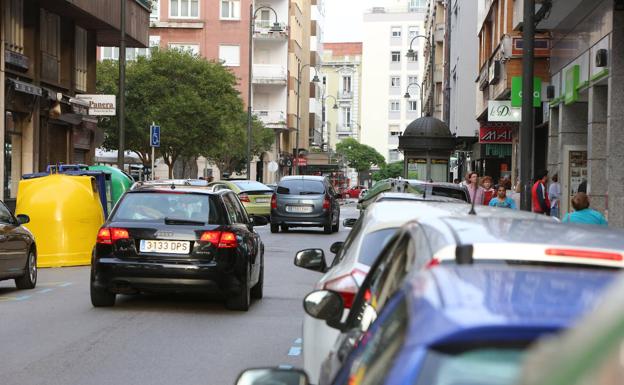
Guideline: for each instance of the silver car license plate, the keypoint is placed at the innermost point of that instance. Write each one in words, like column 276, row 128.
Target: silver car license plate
column 164, row 247
column 262, row 200
column 299, row 209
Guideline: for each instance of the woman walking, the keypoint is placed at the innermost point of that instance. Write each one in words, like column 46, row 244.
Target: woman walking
column 474, row 190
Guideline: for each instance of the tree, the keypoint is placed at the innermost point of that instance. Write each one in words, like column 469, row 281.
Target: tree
column 359, row 156
column 193, row 100
column 391, row 170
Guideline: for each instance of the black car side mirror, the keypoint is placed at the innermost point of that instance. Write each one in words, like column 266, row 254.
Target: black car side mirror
column 311, row 259
column 324, row 305
column 335, row 247
column 22, row 219
column 259, row 221
column 273, row 376
column 349, row 222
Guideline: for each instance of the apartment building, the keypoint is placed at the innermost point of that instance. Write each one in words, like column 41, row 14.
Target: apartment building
column 48, row 59
column 433, row 76
column 388, row 74
column 342, row 77
column 499, row 83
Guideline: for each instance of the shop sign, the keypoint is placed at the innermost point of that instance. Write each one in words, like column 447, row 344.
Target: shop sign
column 100, row 105
column 516, row 91
column 495, row 134
column 16, row 59
column 502, row 111
column 498, row 151
column 572, row 80
column 301, row 162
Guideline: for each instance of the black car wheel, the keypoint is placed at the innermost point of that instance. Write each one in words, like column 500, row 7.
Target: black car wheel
column 240, row 301
column 327, row 229
column 285, row 228
column 336, row 227
column 257, row 290
column 29, row 279
column 274, row 228
column 101, row 297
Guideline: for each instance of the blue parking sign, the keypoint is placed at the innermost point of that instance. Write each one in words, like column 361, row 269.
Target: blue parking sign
column 155, row 136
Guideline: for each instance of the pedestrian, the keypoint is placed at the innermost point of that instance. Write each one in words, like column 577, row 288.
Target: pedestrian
column 466, row 181
column 554, row 194
column 502, row 200
column 488, row 191
column 582, row 213
column 475, row 191
column 539, row 194
column 456, row 181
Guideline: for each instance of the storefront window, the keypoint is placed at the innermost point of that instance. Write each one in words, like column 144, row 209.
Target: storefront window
column 12, row 155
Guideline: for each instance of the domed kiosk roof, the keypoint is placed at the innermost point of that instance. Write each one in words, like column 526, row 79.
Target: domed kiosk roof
column 427, row 126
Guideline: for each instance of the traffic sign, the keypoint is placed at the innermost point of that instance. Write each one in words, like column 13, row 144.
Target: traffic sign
column 155, row 136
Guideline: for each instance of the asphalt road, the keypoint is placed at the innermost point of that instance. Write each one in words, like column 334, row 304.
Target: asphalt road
column 52, row 335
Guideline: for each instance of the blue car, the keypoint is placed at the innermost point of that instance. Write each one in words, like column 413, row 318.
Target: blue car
column 461, row 325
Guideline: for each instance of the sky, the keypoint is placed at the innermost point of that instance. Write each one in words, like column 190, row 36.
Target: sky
column 343, row 19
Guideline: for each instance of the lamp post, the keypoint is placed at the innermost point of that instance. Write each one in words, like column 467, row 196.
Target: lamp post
column 412, row 54
column 275, row 28
column 407, row 94
column 300, row 68
column 334, row 107
column 121, row 161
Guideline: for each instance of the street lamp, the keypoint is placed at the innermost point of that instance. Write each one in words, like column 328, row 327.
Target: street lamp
column 408, row 96
column 412, row 54
column 315, row 79
column 334, row 107
column 275, row 28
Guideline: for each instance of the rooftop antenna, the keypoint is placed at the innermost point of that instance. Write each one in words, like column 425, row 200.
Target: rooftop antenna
column 472, row 210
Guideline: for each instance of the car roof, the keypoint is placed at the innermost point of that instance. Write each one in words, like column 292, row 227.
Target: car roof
column 302, row 177
column 414, row 197
column 169, row 182
column 177, row 189
column 457, row 301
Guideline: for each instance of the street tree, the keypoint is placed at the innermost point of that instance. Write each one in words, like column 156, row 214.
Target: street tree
column 193, row 100
column 359, row 156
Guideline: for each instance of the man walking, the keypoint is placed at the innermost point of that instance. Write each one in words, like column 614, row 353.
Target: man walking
column 539, row 194
column 502, row 200
column 554, row 194
column 582, row 213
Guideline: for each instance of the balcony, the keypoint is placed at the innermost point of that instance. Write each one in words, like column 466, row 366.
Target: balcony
column 345, row 95
column 438, row 73
column 269, row 74
column 438, row 35
column 272, row 119
column 262, row 31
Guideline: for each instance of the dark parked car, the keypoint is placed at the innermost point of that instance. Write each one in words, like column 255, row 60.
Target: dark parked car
column 305, row 201
column 18, row 253
column 163, row 238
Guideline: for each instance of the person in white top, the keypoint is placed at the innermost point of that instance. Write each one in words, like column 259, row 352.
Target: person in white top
column 554, row 193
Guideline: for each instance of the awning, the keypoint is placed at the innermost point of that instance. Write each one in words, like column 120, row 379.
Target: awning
column 25, row 88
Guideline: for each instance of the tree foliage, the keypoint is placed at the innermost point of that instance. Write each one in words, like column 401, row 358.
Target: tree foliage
column 193, row 100
column 359, row 156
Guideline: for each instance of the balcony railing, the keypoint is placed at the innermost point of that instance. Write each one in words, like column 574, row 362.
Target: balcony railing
column 269, row 74
column 348, row 95
column 262, row 30
column 271, row 118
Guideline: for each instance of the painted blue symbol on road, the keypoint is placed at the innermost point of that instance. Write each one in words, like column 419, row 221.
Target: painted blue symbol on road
column 155, row 136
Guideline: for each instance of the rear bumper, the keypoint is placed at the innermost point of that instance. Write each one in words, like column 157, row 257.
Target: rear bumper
column 318, row 221
column 124, row 276
column 258, row 210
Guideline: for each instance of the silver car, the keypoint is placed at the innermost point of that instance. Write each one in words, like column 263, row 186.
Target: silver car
column 305, row 201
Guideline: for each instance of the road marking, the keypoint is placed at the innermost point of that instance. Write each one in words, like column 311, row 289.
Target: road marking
column 6, row 299
column 285, row 367
column 294, row 351
column 66, row 284
column 21, row 298
column 45, row 291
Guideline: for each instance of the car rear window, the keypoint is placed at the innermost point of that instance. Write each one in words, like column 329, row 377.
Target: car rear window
column 301, row 187
column 156, row 206
column 449, row 192
column 252, row 186
column 373, row 243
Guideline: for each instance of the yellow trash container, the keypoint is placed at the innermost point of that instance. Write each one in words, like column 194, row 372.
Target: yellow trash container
column 65, row 216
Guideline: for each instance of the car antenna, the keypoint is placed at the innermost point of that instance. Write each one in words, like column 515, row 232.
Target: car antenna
column 172, row 185
column 472, row 205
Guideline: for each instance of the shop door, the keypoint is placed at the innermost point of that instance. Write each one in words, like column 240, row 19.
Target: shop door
column 57, row 144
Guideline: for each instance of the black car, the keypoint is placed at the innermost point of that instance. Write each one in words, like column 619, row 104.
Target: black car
column 305, row 201
column 18, row 252
column 180, row 239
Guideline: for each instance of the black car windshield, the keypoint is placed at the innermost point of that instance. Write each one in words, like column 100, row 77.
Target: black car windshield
column 301, row 187
column 373, row 243
column 252, row 186
column 172, row 206
column 449, row 192
column 485, row 366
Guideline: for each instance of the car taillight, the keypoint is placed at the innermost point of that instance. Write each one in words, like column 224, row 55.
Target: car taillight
column 244, row 198
column 591, row 254
column 110, row 235
column 274, row 201
column 326, row 203
column 347, row 286
column 220, row 239
column 432, row 263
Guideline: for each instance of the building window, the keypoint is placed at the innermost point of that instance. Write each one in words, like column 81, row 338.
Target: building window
column 346, row 84
column 191, row 48
column 154, row 41
column 395, row 31
column 346, row 116
column 417, row 5
column 395, row 56
column 229, row 55
column 230, row 10
column 412, row 32
column 155, row 13
column 413, row 59
column 50, row 41
column 80, row 59
column 395, row 106
column 412, row 80
column 412, row 105
column 14, row 20
column 393, row 155
column 184, row 8
column 395, row 81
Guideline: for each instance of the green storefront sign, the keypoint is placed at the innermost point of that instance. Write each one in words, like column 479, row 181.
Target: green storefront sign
column 572, row 80
column 498, row 150
column 516, row 91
